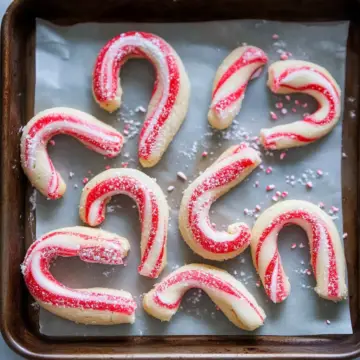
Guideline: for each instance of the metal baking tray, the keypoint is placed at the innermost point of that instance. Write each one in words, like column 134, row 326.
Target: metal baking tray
column 19, row 320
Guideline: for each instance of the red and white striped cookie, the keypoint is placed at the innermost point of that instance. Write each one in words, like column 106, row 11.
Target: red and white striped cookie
column 303, row 77
column 35, row 160
column 327, row 253
column 152, row 206
column 229, row 294
column 233, row 166
column 97, row 306
column 231, row 79
column 169, row 102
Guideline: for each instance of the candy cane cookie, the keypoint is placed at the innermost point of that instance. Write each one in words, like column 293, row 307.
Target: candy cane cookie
column 229, row 294
column 98, row 306
column 303, row 77
column 234, row 165
column 35, row 160
column 152, row 206
column 169, row 102
column 327, row 253
column 231, row 80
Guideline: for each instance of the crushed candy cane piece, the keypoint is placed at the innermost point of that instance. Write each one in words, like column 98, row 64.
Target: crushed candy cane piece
column 85, row 180
column 309, row 185
column 270, row 187
column 273, row 115
column 282, row 155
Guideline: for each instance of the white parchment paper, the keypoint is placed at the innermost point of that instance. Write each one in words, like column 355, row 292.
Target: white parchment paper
column 64, row 60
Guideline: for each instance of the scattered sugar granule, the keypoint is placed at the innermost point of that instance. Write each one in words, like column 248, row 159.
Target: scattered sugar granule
column 309, row 185
column 352, row 114
column 284, row 111
column 345, row 235
column 181, row 175
column 301, row 245
column 344, row 155
column 257, row 283
column 126, row 132
column 320, row 172
column 275, row 198
column 257, row 183
column 204, row 154
column 140, row 109
column 85, row 180
column 75, row 186
column 269, row 170
column 270, row 187
column 282, row 155
column 275, row 36
column 308, row 272
column 125, row 164
column 71, row 174
column 257, row 207
column 52, row 142
column 293, row 246
column 246, row 211
column 293, row 110
column 297, row 102
column 328, row 322
column 107, row 167
column 288, row 97
column 279, row 105
column 305, row 105
column 273, row 115
column 284, row 56
column 170, row 188
column 321, row 205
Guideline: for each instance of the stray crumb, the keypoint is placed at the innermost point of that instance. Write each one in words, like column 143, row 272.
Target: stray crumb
column 52, row 142
column 293, row 246
column 345, row 235
column 85, row 180
column 71, row 174
column 275, row 36
column 269, row 170
column 282, row 155
column 344, row 155
column 204, row 154
column 107, row 167
column 284, row 56
column 125, row 164
column 288, row 97
column 279, row 105
column 181, row 175
column 257, row 207
column 293, row 110
column 257, row 283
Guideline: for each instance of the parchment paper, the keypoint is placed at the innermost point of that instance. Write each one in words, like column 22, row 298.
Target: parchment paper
column 64, row 60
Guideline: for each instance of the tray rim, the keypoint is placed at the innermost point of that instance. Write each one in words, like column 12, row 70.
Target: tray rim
column 20, row 346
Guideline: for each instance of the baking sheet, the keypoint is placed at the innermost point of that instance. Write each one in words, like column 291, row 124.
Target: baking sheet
column 64, row 60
